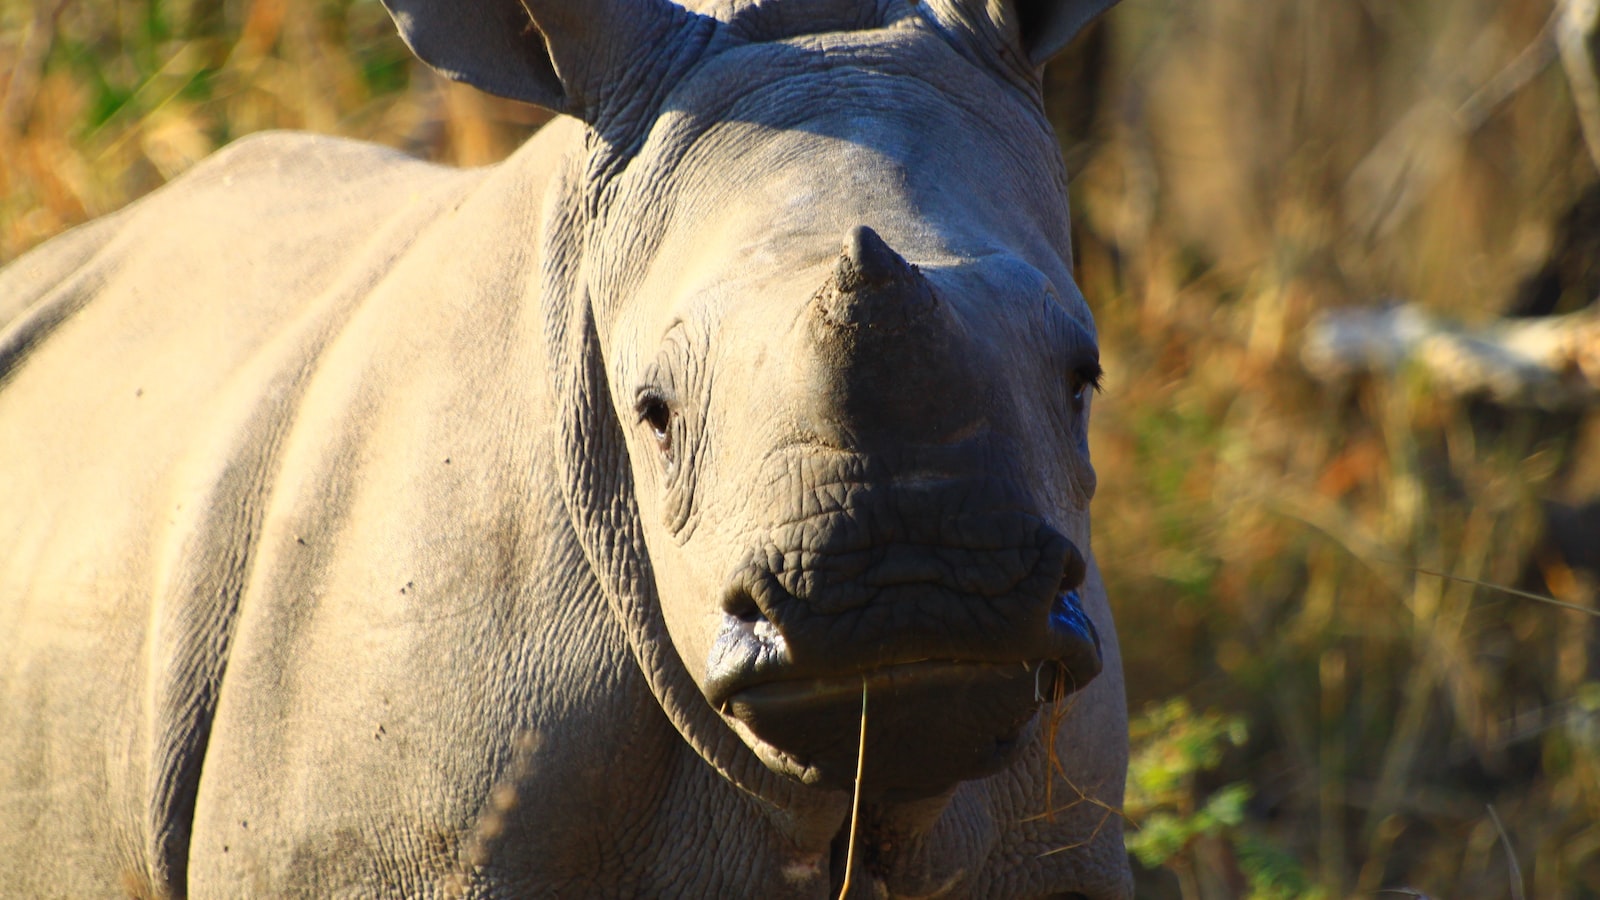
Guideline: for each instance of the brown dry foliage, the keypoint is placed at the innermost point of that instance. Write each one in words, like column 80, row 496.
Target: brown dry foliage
column 1267, row 540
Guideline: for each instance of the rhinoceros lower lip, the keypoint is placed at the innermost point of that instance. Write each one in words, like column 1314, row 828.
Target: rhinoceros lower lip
column 930, row 724
column 924, row 674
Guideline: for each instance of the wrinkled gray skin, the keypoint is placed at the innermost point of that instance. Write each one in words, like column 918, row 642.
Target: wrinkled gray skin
column 340, row 555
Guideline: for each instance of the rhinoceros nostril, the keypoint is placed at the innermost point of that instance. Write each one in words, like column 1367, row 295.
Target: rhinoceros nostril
column 1073, row 570
column 743, row 607
column 1067, row 615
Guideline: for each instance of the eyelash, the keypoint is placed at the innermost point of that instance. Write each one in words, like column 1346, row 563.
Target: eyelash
column 1088, row 378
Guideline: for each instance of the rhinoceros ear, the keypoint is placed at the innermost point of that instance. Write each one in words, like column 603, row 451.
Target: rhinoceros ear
column 1049, row 25
column 564, row 55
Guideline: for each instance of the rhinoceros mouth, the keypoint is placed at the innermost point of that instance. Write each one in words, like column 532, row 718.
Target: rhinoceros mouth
column 930, row 724
column 877, row 682
column 954, row 605
column 752, row 656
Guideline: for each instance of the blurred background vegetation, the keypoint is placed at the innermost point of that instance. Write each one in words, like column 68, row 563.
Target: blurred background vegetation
column 1338, row 688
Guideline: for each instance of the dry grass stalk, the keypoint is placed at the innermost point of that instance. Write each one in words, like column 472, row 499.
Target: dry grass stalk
column 1509, row 591
column 1062, row 702
column 855, row 802
column 1058, row 712
column 1511, row 854
column 1577, row 26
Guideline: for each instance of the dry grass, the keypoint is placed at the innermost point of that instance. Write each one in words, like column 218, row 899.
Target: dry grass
column 1269, row 542
column 103, row 100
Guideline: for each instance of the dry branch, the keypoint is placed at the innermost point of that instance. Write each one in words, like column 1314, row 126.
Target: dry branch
column 16, row 102
column 1577, row 26
column 1545, row 363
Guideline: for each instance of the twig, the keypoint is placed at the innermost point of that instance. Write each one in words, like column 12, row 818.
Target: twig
column 1058, row 711
column 1365, row 549
column 1578, row 19
column 855, row 803
column 137, row 124
column 1511, row 855
column 1390, row 180
column 1533, row 59
column 1098, row 827
column 17, row 103
column 1527, row 595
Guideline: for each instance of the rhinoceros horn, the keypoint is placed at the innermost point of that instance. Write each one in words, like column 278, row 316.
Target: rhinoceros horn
column 872, row 288
column 893, row 360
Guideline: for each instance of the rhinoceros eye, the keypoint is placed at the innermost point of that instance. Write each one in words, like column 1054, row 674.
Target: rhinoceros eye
column 1086, row 379
column 655, row 414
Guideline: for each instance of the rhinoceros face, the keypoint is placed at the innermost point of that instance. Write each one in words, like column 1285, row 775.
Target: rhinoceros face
column 854, row 375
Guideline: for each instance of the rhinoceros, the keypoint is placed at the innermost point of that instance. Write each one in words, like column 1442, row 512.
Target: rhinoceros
column 695, row 504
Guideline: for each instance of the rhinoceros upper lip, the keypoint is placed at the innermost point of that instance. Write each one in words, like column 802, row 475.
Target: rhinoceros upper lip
column 754, row 656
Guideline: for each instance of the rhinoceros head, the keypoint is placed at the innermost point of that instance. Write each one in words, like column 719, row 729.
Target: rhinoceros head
column 826, row 374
